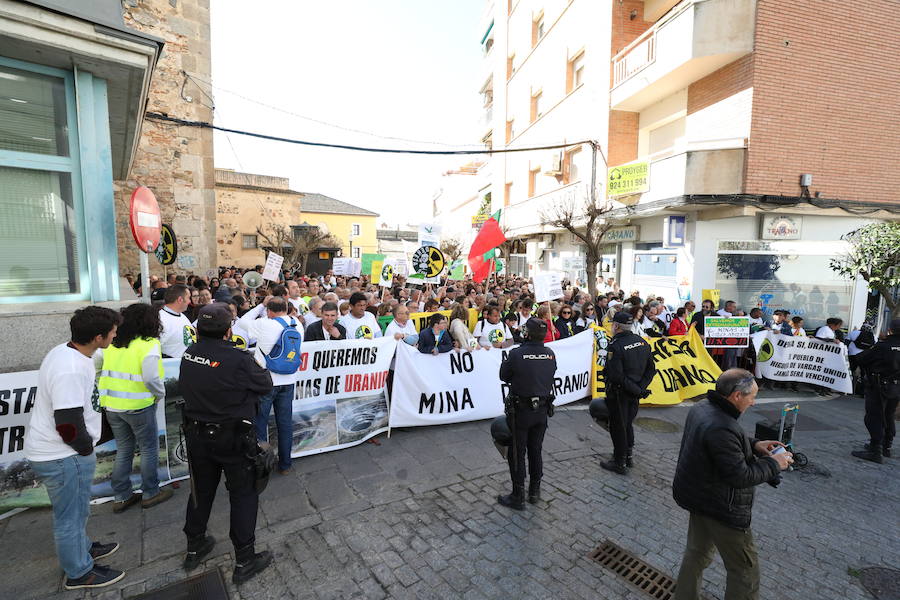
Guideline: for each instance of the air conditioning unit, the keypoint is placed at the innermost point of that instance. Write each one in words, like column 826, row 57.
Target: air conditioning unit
column 556, row 165
column 546, row 242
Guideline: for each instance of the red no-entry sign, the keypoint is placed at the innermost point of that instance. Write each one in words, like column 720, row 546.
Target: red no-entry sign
column 145, row 219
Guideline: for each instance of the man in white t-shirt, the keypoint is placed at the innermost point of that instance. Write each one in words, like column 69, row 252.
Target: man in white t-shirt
column 491, row 332
column 64, row 427
column 729, row 309
column 295, row 297
column 177, row 332
column 401, row 327
column 826, row 331
column 267, row 332
column 360, row 323
column 315, row 310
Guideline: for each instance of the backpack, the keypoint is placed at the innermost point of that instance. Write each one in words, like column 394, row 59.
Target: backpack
column 865, row 339
column 284, row 359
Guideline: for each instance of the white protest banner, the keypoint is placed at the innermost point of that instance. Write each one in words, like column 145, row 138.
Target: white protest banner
column 340, row 398
column 547, row 286
column 272, row 270
column 455, row 387
column 805, row 359
column 342, row 266
column 387, row 272
column 726, row 332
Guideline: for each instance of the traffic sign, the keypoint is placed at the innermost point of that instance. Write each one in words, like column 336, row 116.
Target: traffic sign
column 144, row 218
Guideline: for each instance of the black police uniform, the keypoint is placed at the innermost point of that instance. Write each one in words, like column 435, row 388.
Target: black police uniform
column 628, row 372
column 221, row 386
column 881, row 364
column 529, row 370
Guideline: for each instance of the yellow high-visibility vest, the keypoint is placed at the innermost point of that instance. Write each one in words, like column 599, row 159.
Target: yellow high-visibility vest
column 121, row 383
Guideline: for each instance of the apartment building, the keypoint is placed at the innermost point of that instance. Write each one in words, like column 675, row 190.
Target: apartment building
column 545, row 83
column 765, row 128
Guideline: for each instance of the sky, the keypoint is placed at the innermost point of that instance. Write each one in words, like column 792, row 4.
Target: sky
column 401, row 68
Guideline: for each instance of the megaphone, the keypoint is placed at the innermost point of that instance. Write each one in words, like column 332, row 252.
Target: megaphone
column 252, row 279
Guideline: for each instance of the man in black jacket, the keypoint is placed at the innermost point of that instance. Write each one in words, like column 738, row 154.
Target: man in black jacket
column 629, row 370
column 221, row 386
column 881, row 365
column 326, row 328
column 718, row 466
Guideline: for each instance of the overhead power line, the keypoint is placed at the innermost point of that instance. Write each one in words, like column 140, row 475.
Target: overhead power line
column 205, row 125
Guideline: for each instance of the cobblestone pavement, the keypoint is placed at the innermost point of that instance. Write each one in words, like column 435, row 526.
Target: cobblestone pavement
column 415, row 517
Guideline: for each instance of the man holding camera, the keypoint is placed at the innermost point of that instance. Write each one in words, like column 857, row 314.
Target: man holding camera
column 221, row 386
column 718, row 467
column 628, row 372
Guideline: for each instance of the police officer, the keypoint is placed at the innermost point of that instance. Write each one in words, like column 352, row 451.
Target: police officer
column 221, row 386
column 628, row 371
column 529, row 371
column 881, row 364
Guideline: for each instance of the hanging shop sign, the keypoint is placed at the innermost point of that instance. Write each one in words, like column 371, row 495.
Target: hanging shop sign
column 633, row 178
column 781, row 227
column 621, row 234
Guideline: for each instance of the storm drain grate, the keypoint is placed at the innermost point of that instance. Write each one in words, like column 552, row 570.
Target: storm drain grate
column 208, row 585
column 635, row 571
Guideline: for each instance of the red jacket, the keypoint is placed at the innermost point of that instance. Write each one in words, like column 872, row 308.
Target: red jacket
column 552, row 332
column 678, row 327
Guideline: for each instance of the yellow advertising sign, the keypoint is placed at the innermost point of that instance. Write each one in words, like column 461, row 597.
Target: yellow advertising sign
column 684, row 369
column 627, row 179
column 714, row 295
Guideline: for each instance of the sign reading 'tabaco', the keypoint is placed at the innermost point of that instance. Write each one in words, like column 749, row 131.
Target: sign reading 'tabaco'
column 633, row 178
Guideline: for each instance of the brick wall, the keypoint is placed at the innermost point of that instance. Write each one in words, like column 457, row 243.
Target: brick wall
column 623, row 136
column 175, row 162
column 825, row 102
column 722, row 84
column 625, row 29
column 719, row 106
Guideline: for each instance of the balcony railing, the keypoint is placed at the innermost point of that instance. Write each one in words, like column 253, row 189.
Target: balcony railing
column 635, row 58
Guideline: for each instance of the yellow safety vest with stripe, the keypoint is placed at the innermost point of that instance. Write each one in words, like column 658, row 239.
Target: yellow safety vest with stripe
column 121, row 383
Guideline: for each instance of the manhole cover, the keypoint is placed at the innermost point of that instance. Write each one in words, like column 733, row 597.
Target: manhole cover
column 636, row 572
column 883, row 583
column 205, row 586
column 656, row 425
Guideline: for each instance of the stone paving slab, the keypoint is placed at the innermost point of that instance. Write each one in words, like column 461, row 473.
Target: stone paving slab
column 415, row 517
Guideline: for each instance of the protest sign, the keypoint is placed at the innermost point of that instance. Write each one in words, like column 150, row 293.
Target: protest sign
column 342, row 266
column 547, row 286
column 726, row 332
column 429, row 234
column 386, row 276
column 684, row 369
column 455, row 387
column 713, row 295
column 457, row 270
column 804, row 359
column 272, row 270
column 371, row 265
column 428, row 261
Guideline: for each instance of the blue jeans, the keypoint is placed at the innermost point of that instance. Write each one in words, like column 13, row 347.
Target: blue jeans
column 68, row 482
column 129, row 427
column 282, row 397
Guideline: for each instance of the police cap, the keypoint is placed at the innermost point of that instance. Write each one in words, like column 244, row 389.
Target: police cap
column 536, row 328
column 623, row 318
column 214, row 318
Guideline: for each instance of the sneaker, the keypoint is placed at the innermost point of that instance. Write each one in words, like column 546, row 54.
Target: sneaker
column 126, row 504
column 99, row 550
column 163, row 495
column 97, row 577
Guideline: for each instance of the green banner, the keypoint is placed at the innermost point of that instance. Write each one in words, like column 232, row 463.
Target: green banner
column 367, row 264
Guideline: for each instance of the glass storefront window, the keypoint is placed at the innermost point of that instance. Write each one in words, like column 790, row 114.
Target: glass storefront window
column 791, row 275
column 38, row 252
column 32, row 113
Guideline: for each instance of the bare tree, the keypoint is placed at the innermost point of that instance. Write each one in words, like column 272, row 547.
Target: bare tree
column 296, row 244
column 586, row 220
column 452, row 248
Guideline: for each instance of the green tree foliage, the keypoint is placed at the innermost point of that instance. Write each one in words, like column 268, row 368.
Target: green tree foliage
column 874, row 255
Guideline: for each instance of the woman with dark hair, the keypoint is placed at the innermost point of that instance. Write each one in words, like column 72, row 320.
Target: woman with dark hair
column 130, row 384
column 435, row 339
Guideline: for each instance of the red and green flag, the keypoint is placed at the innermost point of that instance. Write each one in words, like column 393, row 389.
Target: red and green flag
column 481, row 255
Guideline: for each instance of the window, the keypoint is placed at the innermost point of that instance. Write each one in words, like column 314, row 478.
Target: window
column 357, row 252
column 532, row 181
column 41, row 249
column 355, row 229
column 507, row 193
column 536, row 106
column 509, row 66
column 510, row 132
column 575, row 72
column 570, row 166
column 537, row 29
column 249, row 241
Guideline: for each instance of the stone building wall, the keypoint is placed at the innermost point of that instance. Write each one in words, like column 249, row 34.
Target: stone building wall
column 175, row 162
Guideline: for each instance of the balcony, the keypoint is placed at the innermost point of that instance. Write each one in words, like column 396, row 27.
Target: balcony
column 711, row 167
column 524, row 217
column 694, row 39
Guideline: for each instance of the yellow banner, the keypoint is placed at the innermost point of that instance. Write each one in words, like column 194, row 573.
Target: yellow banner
column 633, row 178
column 420, row 319
column 714, row 295
column 684, row 369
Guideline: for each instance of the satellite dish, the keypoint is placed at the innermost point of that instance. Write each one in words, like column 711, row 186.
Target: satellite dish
column 252, row 279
